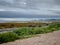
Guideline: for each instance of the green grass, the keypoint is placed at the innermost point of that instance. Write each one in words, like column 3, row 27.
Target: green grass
column 8, row 37
column 27, row 32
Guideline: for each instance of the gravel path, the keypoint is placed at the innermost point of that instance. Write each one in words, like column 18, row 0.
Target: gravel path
column 43, row 39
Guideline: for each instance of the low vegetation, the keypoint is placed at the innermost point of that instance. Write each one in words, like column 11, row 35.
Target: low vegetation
column 8, row 36
column 27, row 32
column 28, row 24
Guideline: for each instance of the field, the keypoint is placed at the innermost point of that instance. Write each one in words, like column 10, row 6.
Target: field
column 12, row 25
column 27, row 32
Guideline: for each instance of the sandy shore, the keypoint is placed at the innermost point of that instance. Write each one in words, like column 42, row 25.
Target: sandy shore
column 41, row 39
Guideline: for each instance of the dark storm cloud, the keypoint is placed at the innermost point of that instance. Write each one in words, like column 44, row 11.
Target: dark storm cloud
column 8, row 14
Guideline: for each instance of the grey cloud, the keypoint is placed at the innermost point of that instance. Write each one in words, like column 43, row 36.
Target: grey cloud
column 14, row 4
column 57, row 2
column 33, row 4
column 40, row 6
column 8, row 14
column 4, row 3
column 57, row 12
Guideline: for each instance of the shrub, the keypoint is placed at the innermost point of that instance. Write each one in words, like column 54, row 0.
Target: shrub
column 27, row 32
column 7, row 37
column 23, row 31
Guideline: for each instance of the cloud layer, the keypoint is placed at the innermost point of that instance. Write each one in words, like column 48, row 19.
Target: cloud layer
column 29, row 8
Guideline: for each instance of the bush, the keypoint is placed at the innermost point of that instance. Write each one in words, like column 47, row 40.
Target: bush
column 37, row 30
column 23, row 31
column 31, row 31
column 7, row 37
column 27, row 32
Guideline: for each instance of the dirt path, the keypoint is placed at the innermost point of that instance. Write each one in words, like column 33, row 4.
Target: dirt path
column 44, row 39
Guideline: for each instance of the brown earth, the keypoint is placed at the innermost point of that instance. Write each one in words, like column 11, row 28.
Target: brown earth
column 41, row 39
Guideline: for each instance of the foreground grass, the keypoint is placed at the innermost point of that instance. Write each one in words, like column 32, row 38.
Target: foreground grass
column 8, row 37
column 27, row 32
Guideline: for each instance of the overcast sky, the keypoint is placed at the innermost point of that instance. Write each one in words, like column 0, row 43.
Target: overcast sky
column 29, row 8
